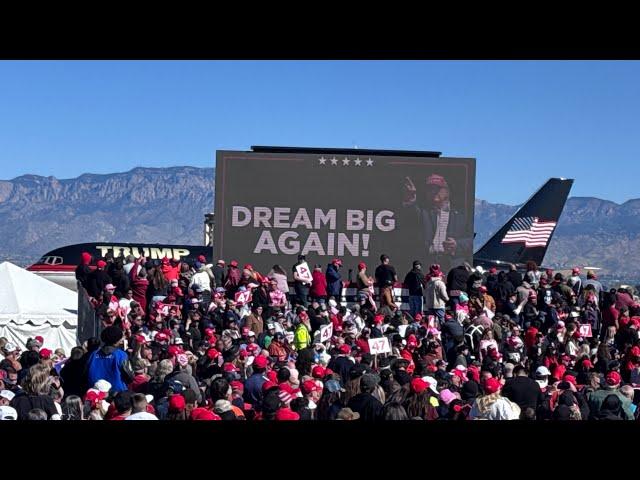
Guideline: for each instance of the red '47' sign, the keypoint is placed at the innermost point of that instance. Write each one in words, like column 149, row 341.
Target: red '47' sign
column 585, row 330
column 243, row 297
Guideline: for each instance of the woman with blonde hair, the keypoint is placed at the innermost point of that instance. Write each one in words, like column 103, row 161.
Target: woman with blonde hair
column 36, row 387
column 492, row 405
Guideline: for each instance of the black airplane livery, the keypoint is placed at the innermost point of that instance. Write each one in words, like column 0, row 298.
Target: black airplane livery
column 526, row 236
column 59, row 265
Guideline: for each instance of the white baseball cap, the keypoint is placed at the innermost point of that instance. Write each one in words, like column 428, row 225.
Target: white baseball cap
column 8, row 394
column 542, row 370
column 102, row 386
column 8, row 413
column 10, row 347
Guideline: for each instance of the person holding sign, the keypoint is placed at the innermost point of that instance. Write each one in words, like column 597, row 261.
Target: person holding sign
column 302, row 280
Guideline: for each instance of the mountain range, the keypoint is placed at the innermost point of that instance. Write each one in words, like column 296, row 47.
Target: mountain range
column 157, row 205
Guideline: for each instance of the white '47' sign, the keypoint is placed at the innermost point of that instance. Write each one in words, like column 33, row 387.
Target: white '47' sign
column 379, row 345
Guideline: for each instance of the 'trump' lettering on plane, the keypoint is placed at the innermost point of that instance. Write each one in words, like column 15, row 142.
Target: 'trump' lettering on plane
column 153, row 253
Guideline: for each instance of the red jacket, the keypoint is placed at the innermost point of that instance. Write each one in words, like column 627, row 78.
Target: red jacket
column 318, row 285
column 363, row 344
column 170, row 272
column 139, row 287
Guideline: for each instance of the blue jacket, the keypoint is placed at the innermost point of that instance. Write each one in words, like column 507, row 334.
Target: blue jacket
column 110, row 364
column 334, row 282
column 253, row 390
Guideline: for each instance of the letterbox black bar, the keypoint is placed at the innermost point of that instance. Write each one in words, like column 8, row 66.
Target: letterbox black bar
column 345, row 151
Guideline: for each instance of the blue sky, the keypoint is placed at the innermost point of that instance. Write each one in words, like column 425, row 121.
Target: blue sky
column 523, row 121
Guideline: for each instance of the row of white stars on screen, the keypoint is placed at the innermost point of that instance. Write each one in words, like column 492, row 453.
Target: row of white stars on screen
column 345, row 161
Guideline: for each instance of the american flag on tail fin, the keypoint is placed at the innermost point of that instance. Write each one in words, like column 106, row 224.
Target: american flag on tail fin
column 530, row 231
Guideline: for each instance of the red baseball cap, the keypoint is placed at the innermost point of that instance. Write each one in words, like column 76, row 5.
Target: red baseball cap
column 378, row 319
column 237, row 385
column 212, row 353
column 268, row 385
column 160, row 337
column 309, row 386
column 492, row 385
column 286, row 414
column 344, row 348
column 45, row 353
column 260, row 361
column 202, row 259
column 176, row 403
column 586, row 363
column 571, row 379
column 230, row 367
column 201, row 413
column 613, row 378
column 173, row 350
column 40, row 339
column 248, row 266
column 362, row 265
column 418, row 385
column 318, row 372
column 101, row 264
column 233, row 263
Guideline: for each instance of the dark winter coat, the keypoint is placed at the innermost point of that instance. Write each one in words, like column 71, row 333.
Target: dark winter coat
column 334, row 281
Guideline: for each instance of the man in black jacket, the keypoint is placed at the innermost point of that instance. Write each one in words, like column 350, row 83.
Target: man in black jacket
column 368, row 406
column 457, row 282
column 514, row 276
column 218, row 273
column 98, row 279
column 415, row 283
column 523, row 390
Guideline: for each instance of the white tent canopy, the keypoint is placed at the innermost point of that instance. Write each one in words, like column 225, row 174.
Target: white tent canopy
column 31, row 305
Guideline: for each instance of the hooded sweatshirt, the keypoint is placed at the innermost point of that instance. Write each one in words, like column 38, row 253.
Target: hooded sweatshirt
column 201, row 279
column 436, row 294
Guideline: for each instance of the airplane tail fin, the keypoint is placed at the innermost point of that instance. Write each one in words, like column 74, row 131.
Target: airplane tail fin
column 528, row 232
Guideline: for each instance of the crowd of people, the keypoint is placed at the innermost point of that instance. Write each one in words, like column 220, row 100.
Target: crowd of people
column 198, row 341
